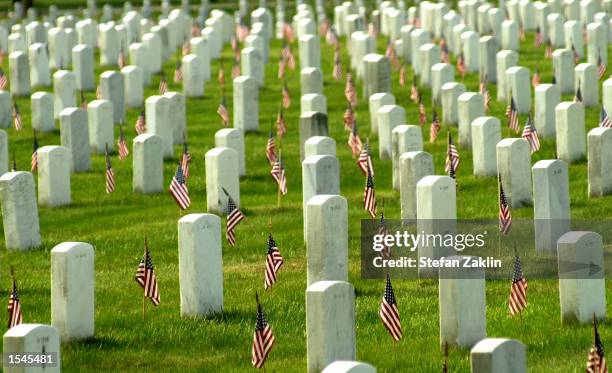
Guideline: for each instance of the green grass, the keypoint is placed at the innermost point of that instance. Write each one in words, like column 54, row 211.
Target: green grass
column 116, row 224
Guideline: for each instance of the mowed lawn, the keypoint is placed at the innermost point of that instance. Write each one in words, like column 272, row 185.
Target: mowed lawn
column 116, row 225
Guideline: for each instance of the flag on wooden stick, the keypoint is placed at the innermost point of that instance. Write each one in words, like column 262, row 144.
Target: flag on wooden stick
column 263, row 338
column 3, row 80
column 604, row 119
column 146, row 278
column 369, row 197
column 452, row 158
column 389, row 313
column 178, row 188
column 141, row 123
column 34, row 162
column 596, row 362
column 222, row 111
column 281, row 126
column 278, row 174
column 434, row 130
column 122, row 145
column 110, row 173
column 234, row 217
column 185, row 159
column 518, row 289
column 505, row 214
column 14, row 305
column 365, row 160
column 17, row 117
column 531, row 135
column 354, row 142
column 274, row 260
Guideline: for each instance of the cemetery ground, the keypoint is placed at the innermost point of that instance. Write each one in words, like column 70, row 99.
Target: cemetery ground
column 117, row 223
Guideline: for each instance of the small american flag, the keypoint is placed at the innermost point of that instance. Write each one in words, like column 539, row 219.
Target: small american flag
column 178, row 188
column 223, row 113
column 278, row 174
column 186, row 48
column 163, row 85
column 34, row 163
column 391, row 55
column 110, row 174
column 484, row 91
column 286, row 96
column 518, row 289
column 434, row 130
column 535, row 81
column 369, row 197
column 141, row 123
column 382, row 231
column 576, row 56
column 282, row 67
column 337, row 71
column 235, row 69
column 14, row 307
column 604, row 119
column 349, row 117
column 444, row 55
column 522, row 35
column 372, row 30
column 178, row 72
column 3, row 80
column 531, row 135
column 122, row 145
column 121, row 59
column 578, row 96
column 513, row 117
column 549, row 50
column 331, row 37
column 221, row 76
column 402, row 76
column 263, row 339
column 538, row 38
column 17, row 118
column 242, row 31
column 422, row 113
column 185, row 160
column 596, row 362
column 365, row 160
column 288, row 55
column 324, row 28
column 281, row 126
column 274, row 260
column 389, row 313
column 99, row 95
column 195, row 30
column 461, row 68
column 145, row 277
column 354, row 142
column 271, row 148
column 349, row 90
column 414, row 92
column 505, row 215
column 288, row 32
column 452, row 158
column 234, row 216
column 601, row 68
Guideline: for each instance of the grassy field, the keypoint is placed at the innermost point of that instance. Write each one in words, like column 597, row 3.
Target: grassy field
column 116, row 224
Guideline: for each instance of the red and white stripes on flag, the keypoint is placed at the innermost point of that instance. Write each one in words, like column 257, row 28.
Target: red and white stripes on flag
column 263, row 340
column 286, row 96
column 486, row 95
column 34, row 161
column 278, row 174
column 601, row 68
column 382, row 231
column 121, row 59
column 122, row 145
column 365, row 160
column 389, row 313
column 235, row 69
column 461, row 68
column 531, row 135
column 14, row 308
column 145, row 277
column 549, row 50
column 223, row 113
column 282, row 67
column 274, row 260
column 234, row 216
column 178, row 72
column 434, row 130
column 536, row 79
column 354, row 142
column 513, row 117
column 3, row 80
column 349, row 90
column 604, row 119
column 288, row 56
column 539, row 38
column 415, row 96
column 596, row 362
column 271, row 148
column 337, row 70
column 178, row 188
column 422, row 113
column 281, row 126
column 17, row 118
column 349, row 117
column 452, row 158
column 110, row 174
column 518, row 289
column 402, row 76
column 369, row 197
column 163, row 85
column 185, row 160
column 221, row 76
column 505, row 214
column 141, row 123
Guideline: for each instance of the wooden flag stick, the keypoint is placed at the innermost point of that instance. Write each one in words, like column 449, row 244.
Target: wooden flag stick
column 278, row 195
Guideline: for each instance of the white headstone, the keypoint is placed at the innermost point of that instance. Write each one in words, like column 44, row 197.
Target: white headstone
column 232, row 138
column 498, row 355
column 470, row 105
column 389, row 117
column 157, row 112
column 413, row 166
column 133, row 85
column 101, row 128
column 54, row 167
column 600, row 161
column 193, row 78
column 148, row 164
column 64, row 91
column 404, row 138
column 42, row 111
column 320, row 145
column 73, row 290
column 378, row 100
column 450, row 95
column 200, row 265
column 486, row 133
column 221, row 173
column 570, row 131
column 83, row 67
column 514, row 168
column 19, row 74
column 28, row 338
column 112, row 89
column 74, row 133
column 547, row 97
column 19, row 210
column 246, row 103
